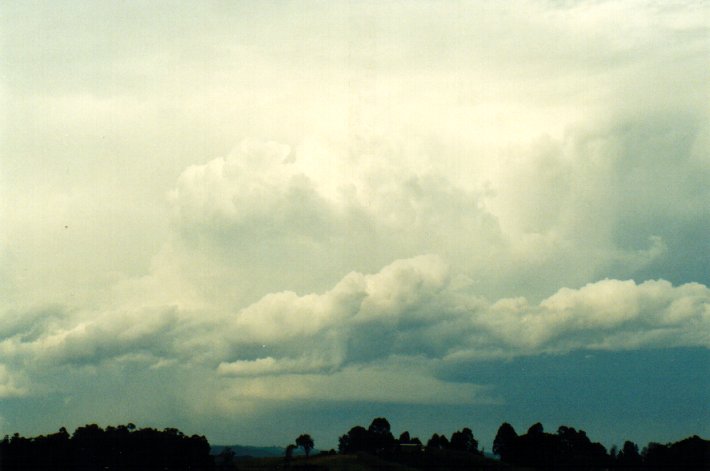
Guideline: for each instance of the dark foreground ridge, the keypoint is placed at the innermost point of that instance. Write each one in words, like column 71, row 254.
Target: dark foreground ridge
column 125, row 447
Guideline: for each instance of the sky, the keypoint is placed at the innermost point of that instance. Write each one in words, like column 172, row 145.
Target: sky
column 252, row 220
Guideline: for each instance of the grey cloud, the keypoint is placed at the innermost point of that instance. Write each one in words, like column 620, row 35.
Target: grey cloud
column 83, row 339
column 443, row 323
column 379, row 384
column 410, row 311
column 608, row 314
column 661, row 187
column 9, row 386
column 526, row 147
column 270, row 366
column 28, row 325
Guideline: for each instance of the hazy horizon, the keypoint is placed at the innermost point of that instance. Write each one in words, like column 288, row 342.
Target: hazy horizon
column 251, row 220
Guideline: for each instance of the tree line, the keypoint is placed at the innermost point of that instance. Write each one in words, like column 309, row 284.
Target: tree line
column 565, row 449
column 91, row 448
column 572, row 449
column 125, row 447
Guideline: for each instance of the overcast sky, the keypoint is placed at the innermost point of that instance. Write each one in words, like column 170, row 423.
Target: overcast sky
column 251, row 220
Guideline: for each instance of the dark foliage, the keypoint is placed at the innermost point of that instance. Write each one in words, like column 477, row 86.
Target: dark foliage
column 463, row 441
column 461, row 452
column 357, row 439
column 437, row 442
column 571, row 449
column 628, row 457
column 306, row 442
column 505, row 441
column 91, row 448
column 120, row 448
column 567, row 449
column 376, row 439
column 690, row 453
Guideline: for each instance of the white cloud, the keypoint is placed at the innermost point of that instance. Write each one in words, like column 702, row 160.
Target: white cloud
column 408, row 309
column 608, row 314
column 81, row 338
column 254, row 180
column 270, row 366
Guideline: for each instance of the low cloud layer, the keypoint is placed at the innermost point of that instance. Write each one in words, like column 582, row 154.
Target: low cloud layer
column 412, row 312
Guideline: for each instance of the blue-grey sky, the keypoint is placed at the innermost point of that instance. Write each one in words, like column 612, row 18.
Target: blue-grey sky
column 252, row 220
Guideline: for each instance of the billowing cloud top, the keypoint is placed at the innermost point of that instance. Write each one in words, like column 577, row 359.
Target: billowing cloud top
column 249, row 206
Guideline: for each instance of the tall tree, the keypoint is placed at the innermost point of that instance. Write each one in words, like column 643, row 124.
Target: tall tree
column 629, row 456
column 379, row 426
column 380, row 436
column 504, row 443
column 357, row 439
column 463, row 440
column 404, row 437
column 437, row 442
column 306, row 442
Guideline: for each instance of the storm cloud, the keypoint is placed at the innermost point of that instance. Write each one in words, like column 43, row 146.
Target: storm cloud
column 220, row 211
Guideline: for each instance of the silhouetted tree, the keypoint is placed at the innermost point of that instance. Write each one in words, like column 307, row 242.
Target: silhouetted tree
column 380, row 436
column 463, row 440
column 306, row 442
column 613, row 452
column 629, row 457
column 92, row 448
column 536, row 429
column 433, row 442
column 690, row 453
column 379, row 426
column 288, row 453
column 574, row 449
column 437, row 442
column 656, row 455
column 505, row 442
column 377, row 438
column 538, row 448
column 357, row 439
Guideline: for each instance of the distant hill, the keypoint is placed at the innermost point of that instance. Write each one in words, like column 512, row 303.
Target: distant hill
column 443, row 460
column 242, row 451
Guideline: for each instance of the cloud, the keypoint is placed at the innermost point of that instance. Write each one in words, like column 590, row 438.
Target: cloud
column 411, row 308
column 8, row 385
column 270, row 219
column 409, row 186
column 443, row 321
column 81, row 338
column 270, row 366
column 382, row 384
column 554, row 211
column 515, row 136
column 255, row 180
